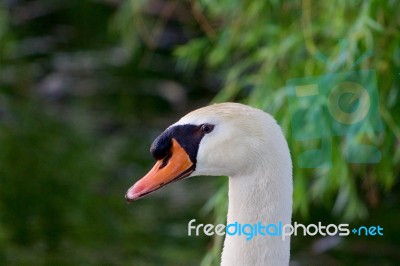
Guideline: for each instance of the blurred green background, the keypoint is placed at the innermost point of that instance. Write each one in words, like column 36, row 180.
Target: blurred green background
column 85, row 86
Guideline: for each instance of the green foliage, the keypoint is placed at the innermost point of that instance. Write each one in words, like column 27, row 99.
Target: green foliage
column 255, row 47
column 85, row 86
column 4, row 24
column 39, row 176
column 77, row 117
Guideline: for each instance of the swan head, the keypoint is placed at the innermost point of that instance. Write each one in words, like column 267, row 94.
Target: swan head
column 228, row 139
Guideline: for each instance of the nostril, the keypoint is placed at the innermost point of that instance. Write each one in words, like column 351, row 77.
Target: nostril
column 165, row 161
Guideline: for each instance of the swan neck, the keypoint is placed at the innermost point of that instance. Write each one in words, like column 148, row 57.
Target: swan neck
column 264, row 196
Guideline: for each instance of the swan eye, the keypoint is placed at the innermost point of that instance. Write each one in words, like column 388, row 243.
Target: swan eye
column 207, row 128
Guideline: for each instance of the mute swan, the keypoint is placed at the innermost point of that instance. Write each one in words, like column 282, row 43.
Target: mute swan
column 245, row 144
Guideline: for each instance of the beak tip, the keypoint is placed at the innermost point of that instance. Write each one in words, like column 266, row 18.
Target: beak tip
column 128, row 199
column 131, row 196
column 177, row 167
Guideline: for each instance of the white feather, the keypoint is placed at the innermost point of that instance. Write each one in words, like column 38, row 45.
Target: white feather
column 248, row 146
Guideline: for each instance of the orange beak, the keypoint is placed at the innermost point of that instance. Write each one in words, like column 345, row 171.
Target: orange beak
column 177, row 165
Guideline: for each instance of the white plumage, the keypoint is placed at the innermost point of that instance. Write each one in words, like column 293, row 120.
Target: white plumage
column 245, row 144
column 248, row 146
